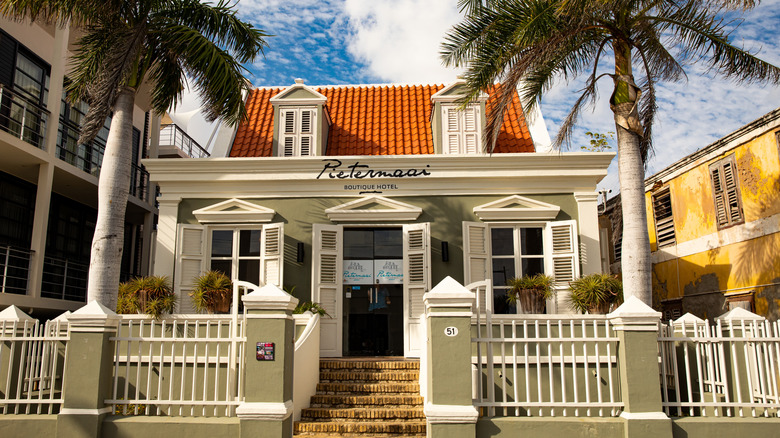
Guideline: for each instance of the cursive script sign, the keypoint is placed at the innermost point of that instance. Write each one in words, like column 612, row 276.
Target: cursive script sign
column 335, row 169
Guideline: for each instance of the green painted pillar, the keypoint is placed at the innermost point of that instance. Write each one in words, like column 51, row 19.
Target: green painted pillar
column 449, row 409
column 268, row 382
column 13, row 324
column 88, row 370
column 636, row 326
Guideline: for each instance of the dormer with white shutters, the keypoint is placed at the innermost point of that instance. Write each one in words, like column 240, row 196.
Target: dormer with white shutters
column 301, row 121
column 457, row 130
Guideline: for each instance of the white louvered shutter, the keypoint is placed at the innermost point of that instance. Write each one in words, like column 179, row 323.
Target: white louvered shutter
column 563, row 261
column 272, row 254
column 471, row 129
column 308, row 122
column 476, row 252
column 417, row 281
column 327, row 280
column 289, row 135
column 476, row 261
column 451, row 134
column 190, row 263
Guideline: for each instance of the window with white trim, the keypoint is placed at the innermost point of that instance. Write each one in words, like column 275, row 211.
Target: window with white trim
column 516, row 251
column 296, row 133
column 499, row 252
column 725, row 191
column 236, row 253
column 461, row 129
column 248, row 252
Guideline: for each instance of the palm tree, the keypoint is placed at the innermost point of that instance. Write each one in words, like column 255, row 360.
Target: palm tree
column 528, row 44
column 160, row 44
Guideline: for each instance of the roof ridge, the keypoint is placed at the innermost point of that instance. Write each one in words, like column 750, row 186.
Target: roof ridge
column 268, row 87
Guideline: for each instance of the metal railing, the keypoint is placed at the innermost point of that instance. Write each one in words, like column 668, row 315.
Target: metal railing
column 172, row 135
column 542, row 365
column 64, row 279
column 14, row 269
column 22, row 118
column 179, row 366
column 34, row 357
column 87, row 157
column 726, row 369
column 139, row 182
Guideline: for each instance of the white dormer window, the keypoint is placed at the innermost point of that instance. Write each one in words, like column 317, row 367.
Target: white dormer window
column 461, row 130
column 297, row 134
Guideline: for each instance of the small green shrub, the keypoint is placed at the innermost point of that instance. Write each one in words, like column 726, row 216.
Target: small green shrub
column 595, row 293
column 308, row 306
column 151, row 295
column 531, row 291
column 213, row 292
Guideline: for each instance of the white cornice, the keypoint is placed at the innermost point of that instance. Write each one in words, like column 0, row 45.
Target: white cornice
column 525, row 173
column 443, row 97
column 280, row 98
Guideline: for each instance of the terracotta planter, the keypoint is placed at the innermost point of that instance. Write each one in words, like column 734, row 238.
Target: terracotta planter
column 599, row 309
column 220, row 304
column 531, row 301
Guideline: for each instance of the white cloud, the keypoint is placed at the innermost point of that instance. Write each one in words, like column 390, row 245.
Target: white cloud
column 399, row 39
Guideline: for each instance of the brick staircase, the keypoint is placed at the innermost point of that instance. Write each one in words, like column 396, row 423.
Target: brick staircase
column 365, row 398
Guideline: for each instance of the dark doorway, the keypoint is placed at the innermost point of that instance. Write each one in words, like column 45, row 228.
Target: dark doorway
column 373, row 292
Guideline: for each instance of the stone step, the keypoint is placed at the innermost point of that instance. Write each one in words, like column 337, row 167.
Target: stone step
column 343, row 400
column 361, row 413
column 407, row 388
column 334, row 365
column 369, row 376
column 370, row 428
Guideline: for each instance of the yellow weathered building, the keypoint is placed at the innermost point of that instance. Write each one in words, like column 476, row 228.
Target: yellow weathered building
column 714, row 225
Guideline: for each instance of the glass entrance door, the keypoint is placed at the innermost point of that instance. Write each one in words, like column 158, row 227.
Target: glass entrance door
column 373, row 292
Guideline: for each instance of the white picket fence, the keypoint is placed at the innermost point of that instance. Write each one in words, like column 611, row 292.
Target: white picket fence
column 542, row 365
column 729, row 368
column 32, row 359
column 185, row 365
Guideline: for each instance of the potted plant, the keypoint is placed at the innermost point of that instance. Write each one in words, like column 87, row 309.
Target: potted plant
column 596, row 293
column 531, row 291
column 213, row 292
column 308, row 306
column 151, row 295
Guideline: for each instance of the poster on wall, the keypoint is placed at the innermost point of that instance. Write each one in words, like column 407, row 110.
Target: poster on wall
column 358, row 272
column 389, row 271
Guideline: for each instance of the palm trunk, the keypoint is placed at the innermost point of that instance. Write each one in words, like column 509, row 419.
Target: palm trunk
column 113, row 189
column 635, row 260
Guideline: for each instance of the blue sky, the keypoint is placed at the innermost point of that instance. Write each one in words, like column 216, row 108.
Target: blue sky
column 330, row 42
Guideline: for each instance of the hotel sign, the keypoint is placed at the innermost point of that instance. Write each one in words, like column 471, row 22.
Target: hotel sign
column 336, row 169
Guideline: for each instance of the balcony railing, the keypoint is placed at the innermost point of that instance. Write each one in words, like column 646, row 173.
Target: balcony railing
column 14, row 269
column 22, row 118
column 64, row 279
column 139, row 182
column 87, row 157
column 172, row 136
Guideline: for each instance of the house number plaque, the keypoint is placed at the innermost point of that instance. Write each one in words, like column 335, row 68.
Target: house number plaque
column 451, row 331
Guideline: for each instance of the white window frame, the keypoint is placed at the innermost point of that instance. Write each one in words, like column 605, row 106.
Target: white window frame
column 235, row 256
column 292, row 137
column 458, row 135
column 517, row 257
column 475, row 258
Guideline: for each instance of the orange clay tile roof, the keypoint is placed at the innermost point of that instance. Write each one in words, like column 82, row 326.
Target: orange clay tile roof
column 371, row 120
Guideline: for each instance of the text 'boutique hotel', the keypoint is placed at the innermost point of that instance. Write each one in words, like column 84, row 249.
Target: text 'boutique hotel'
column 361, row 198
